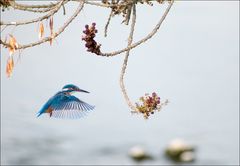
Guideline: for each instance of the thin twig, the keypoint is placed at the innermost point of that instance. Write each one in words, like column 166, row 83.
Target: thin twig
column 35, row 10
column 124, row 66
column 150, row 35
column 55, row 35
column 127, row 17
column 107, row 24
column 2, row 29
column 64, row 10
column 33, row 6
column 52, row 12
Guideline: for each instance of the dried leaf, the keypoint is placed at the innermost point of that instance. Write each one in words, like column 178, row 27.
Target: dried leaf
column 10, row 65
column 13, row 45
column 51, row 24
column 41, row 30
column 11, row 50
column 12, row 42
column 51, row 29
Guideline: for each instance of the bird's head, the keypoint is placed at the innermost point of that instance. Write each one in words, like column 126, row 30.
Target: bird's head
column 72, row 88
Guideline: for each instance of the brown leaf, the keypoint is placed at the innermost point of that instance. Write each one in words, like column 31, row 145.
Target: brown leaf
column 41, row 30
column 13, row 45
column 51, row 29
column 11, row 50
column 10, row 66
column 51, row 24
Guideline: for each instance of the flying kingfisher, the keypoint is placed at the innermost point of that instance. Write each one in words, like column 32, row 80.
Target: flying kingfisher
column 64, row 105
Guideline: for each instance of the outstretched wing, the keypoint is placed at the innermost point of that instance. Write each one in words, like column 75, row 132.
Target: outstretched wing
column 47, row 105
column 67, row 106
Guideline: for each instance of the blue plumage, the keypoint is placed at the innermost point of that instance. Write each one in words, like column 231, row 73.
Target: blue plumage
column 65, row 105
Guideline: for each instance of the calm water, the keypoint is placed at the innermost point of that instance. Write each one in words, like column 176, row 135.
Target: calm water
column 193, row 62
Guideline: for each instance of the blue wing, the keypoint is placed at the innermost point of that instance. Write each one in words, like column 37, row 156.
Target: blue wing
column 67, row 106
column 48, row 103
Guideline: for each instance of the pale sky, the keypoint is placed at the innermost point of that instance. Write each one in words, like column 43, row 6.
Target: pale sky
column 193, row 61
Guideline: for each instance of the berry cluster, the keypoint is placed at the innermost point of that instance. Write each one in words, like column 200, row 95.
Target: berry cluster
column 91, row 44
column 149, row 104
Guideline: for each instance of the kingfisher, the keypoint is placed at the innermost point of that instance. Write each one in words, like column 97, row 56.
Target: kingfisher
column 64, row 105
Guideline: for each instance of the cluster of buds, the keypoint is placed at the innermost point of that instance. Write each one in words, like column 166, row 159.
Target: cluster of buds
column 149, row 105
column 91, row 44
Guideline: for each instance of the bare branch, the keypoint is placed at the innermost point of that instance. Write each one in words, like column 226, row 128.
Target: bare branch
column 33, row 8
column 25, row 6
column 150, row 35
column 55, row 34
column 52, row 12
column 107, row 24
column 127, row 17
column 124, row 66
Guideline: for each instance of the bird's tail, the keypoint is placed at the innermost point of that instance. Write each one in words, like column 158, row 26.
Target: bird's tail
column 39, row 113
column 42, row 110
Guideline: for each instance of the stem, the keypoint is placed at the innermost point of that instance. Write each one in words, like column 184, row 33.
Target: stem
column 55, row 35
column 150, row 35
column 52, row 12
column 124, row 66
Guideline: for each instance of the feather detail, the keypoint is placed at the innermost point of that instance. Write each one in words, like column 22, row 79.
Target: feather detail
column 64, row 105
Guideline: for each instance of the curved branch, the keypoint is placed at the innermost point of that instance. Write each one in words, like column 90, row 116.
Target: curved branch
column 124, row 66
column 150, row 35
column 24, row 6
column 52, row 12
column 34, row 8
column 55, row 35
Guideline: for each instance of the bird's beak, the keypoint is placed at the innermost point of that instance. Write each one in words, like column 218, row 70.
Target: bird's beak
column 80, row 90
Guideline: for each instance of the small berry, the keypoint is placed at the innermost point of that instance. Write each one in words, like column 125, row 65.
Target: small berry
column 154, row 94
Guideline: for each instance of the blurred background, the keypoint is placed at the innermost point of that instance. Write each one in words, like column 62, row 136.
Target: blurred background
column 193, row 61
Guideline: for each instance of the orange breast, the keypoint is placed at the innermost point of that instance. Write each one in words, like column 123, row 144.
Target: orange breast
column 49, row 110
